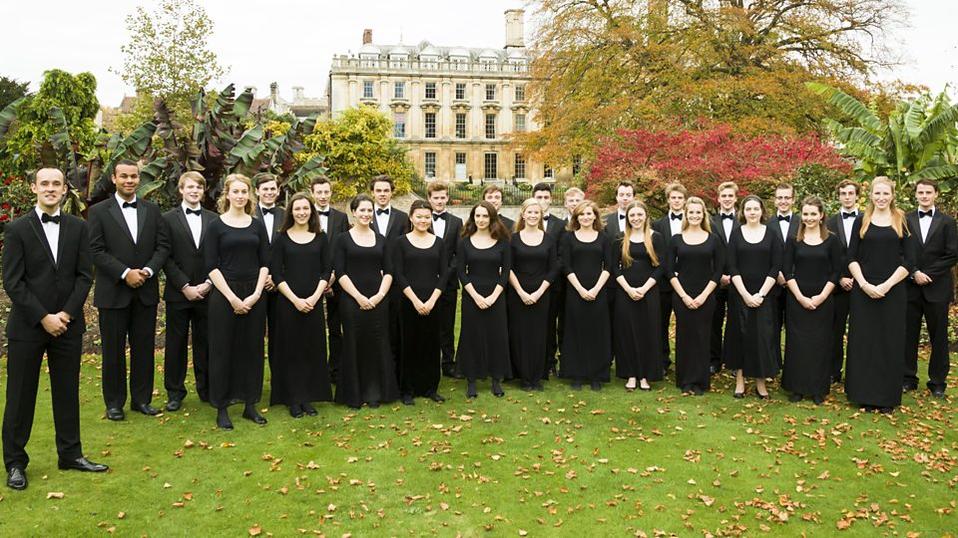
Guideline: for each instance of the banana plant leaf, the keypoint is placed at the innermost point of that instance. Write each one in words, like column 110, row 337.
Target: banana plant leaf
column 8, row 115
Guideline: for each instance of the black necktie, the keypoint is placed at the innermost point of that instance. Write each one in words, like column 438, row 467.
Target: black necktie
column 382, row 211
column 196, row 212
column 786, row 218
column 438, row 216
column 850, row 215
column 44, row 218
column 729, row 216
column 267, row 210
column 673, row 216
column 129, row 204
column 922, row 214
column 324, row 213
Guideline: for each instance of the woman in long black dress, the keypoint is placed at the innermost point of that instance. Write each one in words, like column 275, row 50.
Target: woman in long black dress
column 587, row 265
column 535, row 265
column 636, row 317
column 236, row 252
column 880, row 256
column 812, row 267
column 300, row 267
column 367, row 372
column 754, row 260
column 694, row 267
column 421, row 269
column 483, row 262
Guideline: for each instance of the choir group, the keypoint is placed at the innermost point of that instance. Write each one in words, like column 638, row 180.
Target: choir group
column 370, row 307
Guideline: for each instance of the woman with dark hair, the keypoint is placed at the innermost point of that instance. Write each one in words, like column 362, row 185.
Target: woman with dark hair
column 534, row 268
column 812, row 267
column 367, row 373
column 587, row 264
column 754, row 261
column 237, row 255
column 881, row 255
column 421, row 268
column 636, row 314
column 300, row 267
column 694, row 267
column 483, row 262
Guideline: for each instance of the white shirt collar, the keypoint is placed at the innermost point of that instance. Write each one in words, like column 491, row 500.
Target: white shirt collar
column 185, row 206
column 318, row 208
column 120, row 201
column 40, row 212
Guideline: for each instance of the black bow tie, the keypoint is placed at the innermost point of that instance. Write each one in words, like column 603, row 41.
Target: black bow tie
column 922, row 214
column 129, row 204
column 786, row 218
column 438, row 216
column 849, row 215
column 44, row 218
column 267, row 210
column 729, row 216
column 621, row 216
column 673, row 216
column 323, row 213
column 382, row 211
column 196, row 212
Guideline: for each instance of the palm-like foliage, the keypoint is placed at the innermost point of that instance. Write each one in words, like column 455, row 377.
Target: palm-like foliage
column 918, row 139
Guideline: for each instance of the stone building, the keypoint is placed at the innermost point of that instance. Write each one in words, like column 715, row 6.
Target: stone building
column 454, row 108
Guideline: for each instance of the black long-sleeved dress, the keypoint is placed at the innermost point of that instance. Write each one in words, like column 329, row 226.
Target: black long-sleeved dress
column 694, row 266
column 483, row 349
column 299, row 372
column 425, row 270
column 635, row 324
column 529, row 324
column 750, row 341
column 367, row 372
column 809, row 333
column 236, row 341
column 587, row 345
column 876, row 339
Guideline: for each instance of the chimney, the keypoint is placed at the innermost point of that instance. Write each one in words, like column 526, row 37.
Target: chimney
column 514, row 28
column 367, row 36
column 298, row 93
column 274, row 92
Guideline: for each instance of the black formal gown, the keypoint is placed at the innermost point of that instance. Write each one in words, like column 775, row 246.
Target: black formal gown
column 694, row 266
column 483, row 349
column 750, row 337
column 367, row 373
column 529, row 324
column 635, row 324
column 425, row 270
column 875, row 363
column 809, row 333
column 236, row 341
column 587, row 344
column 299, row 371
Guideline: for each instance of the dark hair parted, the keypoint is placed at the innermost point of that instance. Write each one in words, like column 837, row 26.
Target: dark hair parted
column 542, row 187
column 761, row 205
column 318, row 180
column 815, row 202
column 312, row 224
column 358, row 199
column 849, row 183
column 264, row 177
column 125, row 162
column 496, row 229
column 417, row 205
column 382, row 178
column 928, row 183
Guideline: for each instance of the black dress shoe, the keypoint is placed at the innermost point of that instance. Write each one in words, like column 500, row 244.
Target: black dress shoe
column 296, row 411
column 908, row 387
column 497, row 389
column 819, row 400
column 174, row 405
column 115, row 413
column 309, row 409
column 250, row 413
column 596, row 385
column 17, row 478
column 146, row 409
column 82, row 464
column 373, row 405
column 471, row 390
column 407, row 399
column 938, row 393
column 738, row 395
column 223, row 421
column 436, row 397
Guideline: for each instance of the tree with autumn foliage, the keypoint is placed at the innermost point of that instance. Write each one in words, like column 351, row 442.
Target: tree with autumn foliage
column 702, row 159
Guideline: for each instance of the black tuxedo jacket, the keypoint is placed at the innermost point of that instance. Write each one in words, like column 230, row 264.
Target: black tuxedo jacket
column 279, row 215
column 398, row 224
column 185, row 264
column 834, row 225
column 662, row 226
column 614, row 227
column 792, row 226
column 450, row 241
column 555, row 227
column 936, row 256
column 336, row 223
column 508, row 223
column 719, row 232
column 114, row 252
column 36, row 285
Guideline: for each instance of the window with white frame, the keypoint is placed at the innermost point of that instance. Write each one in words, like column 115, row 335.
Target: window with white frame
column 491, row 166
column 520, row 168
column 430, row 171
column 430, row 90
column 490, row 92
column 399, row 90
column 430, row 125
column 460, row 125
column 490, row 126
column 399, row 125
column 367, row 89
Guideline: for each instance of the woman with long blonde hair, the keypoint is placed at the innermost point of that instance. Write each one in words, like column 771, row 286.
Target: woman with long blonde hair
column 637, row 268
column 881, row 256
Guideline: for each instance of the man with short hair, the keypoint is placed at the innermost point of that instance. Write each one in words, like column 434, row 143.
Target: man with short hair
column 267, row 192
column 841, row 224
column 447, row 228
column 785, row 226
column 47, row 272
column 573, row 197
column 186, row 292
column 388, row 221
column 723, row 224
column 129, row 242
column 931, row 287
column 553, row 225
column 493, row 195
column 670, row 224
column 333, row 223
column 615, row 222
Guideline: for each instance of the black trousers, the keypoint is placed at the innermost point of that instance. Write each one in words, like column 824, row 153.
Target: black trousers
column 446, row 305
column 936, row 320
column 334, row 329
column 138, row 322
column 718, row 323
column 24, row 360
column 272, row 298
column 842, row 300
column 665, row 309
column 555, row 330
column 779, row 318
column 180, row 318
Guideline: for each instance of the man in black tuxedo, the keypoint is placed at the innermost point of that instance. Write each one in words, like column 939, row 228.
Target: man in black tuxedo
column 670, row 224
column 267, row 192
column 615, row 222
column 47, row 272
column 448, row 228
column 931, row 287
column 187, row 288
column 333, row 223
column 723, row 224
column 129, row 242
column 785, row 225
column 841, row 224
column 573, row 197
column 553, row 227
column 493, row 195
column 390, row 223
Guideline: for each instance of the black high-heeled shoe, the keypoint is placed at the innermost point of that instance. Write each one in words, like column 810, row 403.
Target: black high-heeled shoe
column 738, row 395
column 309, row 409
column 223, row 421
column 250, row 413
column 296, row 411
column 471, row 390
column 497, row 389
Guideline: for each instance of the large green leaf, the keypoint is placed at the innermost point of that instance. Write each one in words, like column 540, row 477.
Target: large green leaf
column 940, row 125
column 9, row 114
column 848, row 105
column 242, row 103
column 300, row 180
column 913, row 119
column 938, row 173
column 248, row 148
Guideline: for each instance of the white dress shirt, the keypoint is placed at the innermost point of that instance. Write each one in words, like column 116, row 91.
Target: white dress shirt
column 727, row 225
column 51, row 230
column 675, row 225
column 268, row 220
column 382, row 221
column 323, row 219
column 129, row 215
column 783, row 225
column 195, row 222
column 439, row 225
column 925, row 224
column 847, row 225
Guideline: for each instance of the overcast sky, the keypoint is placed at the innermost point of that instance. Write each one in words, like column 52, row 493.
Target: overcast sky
column 292, row 41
